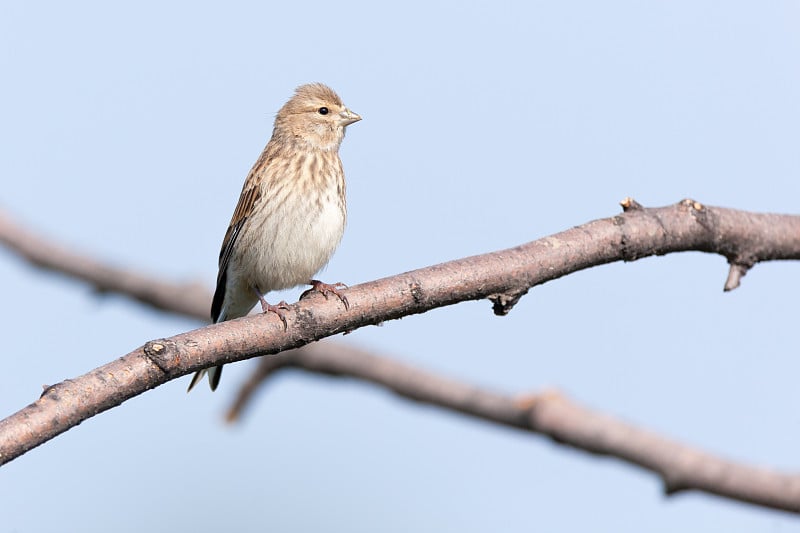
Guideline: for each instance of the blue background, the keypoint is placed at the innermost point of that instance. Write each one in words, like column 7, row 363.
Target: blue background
column 127, row 131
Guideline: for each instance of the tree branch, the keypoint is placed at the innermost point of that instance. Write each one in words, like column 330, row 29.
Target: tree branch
column 743, row 238
column 551, row 414
column 188, row 299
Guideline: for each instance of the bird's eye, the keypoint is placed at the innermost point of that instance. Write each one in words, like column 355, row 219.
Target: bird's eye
column 322, row 110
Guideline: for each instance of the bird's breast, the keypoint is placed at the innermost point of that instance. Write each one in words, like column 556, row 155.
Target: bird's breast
column 291, row 241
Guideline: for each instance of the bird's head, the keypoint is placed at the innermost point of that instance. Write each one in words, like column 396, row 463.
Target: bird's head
column 314, row 117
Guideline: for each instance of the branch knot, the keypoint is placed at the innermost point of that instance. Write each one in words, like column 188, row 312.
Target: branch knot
column 504, row 302
column 163, row 353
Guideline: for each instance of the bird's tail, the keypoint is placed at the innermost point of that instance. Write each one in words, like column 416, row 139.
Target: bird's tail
column 218, row 314
column 214, row 375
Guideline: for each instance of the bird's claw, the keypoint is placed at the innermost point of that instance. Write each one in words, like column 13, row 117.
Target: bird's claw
column 328, row 288
column 278, row 309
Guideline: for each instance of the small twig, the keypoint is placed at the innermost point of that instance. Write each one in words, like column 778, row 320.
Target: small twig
column 735, row 274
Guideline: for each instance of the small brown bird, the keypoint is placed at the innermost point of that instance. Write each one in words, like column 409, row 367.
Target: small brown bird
column 291, row 213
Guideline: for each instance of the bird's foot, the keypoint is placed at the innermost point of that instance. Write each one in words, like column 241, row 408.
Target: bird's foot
column 327, row 288
column 278, row 309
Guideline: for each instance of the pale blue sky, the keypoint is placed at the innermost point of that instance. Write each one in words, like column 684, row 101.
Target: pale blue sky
column 127, row 132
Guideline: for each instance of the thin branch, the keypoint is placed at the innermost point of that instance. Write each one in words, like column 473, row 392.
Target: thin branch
column 189, row 299
column 551, row 414
column 743, row 238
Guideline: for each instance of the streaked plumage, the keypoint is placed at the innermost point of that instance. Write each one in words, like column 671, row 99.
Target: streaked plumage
column 291, row 213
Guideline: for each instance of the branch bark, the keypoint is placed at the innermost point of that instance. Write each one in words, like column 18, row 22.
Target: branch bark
column 743, row 238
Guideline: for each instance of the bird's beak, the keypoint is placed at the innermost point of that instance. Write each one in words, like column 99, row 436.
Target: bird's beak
column 348, row 117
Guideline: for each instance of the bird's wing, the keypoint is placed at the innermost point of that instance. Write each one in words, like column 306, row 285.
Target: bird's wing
column 244, row 209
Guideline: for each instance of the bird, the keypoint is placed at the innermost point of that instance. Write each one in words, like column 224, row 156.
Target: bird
column 291, row 212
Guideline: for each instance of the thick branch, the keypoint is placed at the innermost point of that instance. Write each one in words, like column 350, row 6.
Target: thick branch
column 551, row 414
column 744, row 238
